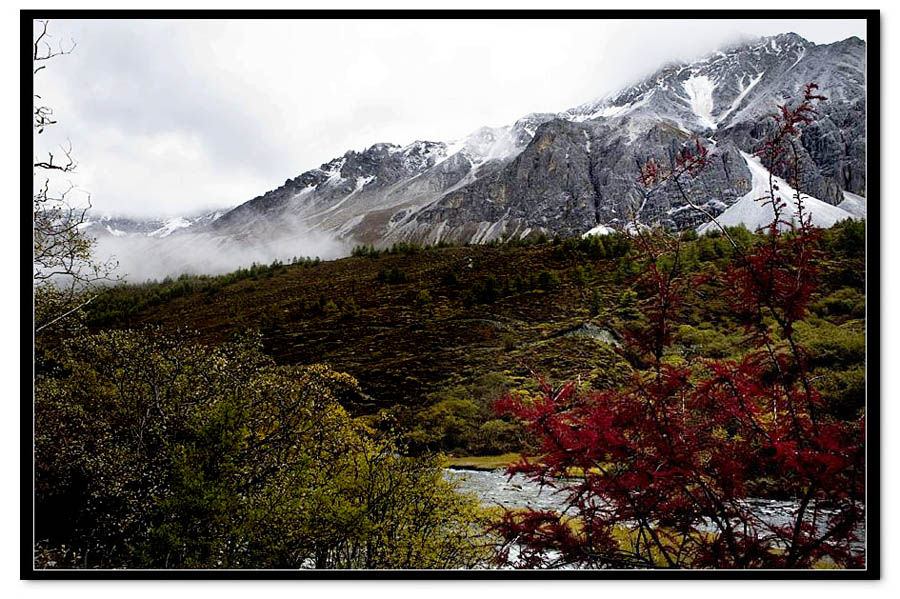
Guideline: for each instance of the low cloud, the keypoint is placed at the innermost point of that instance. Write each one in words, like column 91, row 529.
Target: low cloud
column 144, row 258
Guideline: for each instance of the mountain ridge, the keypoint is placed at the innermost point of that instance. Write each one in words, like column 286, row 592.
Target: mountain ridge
column 576, row 170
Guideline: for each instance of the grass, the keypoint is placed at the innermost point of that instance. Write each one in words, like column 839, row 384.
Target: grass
column 487, row 462
column 500, row 462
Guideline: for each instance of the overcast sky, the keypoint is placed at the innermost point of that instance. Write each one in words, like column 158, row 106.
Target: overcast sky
column 177, row 117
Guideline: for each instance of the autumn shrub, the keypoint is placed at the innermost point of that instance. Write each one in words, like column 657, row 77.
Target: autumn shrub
column 672, row 460
column 673, row 457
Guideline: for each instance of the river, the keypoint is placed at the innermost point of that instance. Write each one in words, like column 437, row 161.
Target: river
column 496, row 488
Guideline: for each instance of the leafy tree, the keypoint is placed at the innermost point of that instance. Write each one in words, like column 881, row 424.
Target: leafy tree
column 154, row 452
column 670, row 461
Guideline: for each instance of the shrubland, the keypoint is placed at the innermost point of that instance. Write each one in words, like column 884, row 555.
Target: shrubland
column 152, row 451
column 423, row 342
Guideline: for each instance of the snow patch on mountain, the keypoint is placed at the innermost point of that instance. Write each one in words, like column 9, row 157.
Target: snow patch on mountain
column 303, row 192
column 800, row 57
column 612, row 110
column 598, row 230
column 490, row 143
column 754, row 212
column 170, row 227
column 699, row 89
column 333, row 170
column 854, row 204
column 743, row 94
column 363, row 181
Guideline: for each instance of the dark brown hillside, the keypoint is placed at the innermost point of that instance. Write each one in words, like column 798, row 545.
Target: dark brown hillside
column 436, row 335
column 406, row 339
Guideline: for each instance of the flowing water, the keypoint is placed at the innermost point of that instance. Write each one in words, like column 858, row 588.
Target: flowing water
column 496, row 488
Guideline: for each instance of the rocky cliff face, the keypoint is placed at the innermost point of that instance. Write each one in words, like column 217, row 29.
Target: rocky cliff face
column 573, row 171
column 580, row 170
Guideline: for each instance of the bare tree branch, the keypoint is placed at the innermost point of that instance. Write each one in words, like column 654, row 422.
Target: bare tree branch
column 44, row 51
column 64, row 268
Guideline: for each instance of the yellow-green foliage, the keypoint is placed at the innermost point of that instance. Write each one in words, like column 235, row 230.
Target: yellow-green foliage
column 843, row 302
column 837, row 358
column 460, row 419
column 829, row 344
column 155, row 452
column 708, row 342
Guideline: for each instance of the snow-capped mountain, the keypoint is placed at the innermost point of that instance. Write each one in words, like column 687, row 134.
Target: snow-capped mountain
column 576, row 171
column 737, row 84
column 118, row 226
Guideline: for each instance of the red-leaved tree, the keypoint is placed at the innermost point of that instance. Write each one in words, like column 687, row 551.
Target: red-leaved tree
column 665, row 467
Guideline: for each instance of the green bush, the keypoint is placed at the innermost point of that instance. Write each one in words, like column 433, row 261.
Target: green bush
column 596, row 304
column 151, row 452
column 547, row 280
column 581, row 275
column 847, row 238
column 365, row 251
column 707, row 343
column 844, row 391
column 349, row 310
column 449, row 278
column 328, row 307
column 843, row 302
column 393, row 276
column 484, row 291
column 423, row 298
column 498, row 437
column 688, row 235
column 831, row 345
column 404, row 248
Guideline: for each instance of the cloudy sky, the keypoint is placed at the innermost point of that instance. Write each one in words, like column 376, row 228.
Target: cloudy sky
column 177, row 117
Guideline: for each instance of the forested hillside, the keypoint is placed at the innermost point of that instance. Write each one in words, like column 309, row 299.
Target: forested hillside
column 435, row 335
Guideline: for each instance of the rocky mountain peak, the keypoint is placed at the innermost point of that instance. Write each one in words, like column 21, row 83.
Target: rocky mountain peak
column 576, row 170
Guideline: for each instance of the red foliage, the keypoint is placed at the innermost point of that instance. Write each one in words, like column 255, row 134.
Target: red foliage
column 670, row 462
column 780, row 153
column 689, row 161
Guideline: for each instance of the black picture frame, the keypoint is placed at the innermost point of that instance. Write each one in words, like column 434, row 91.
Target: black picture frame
column 873, row 290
